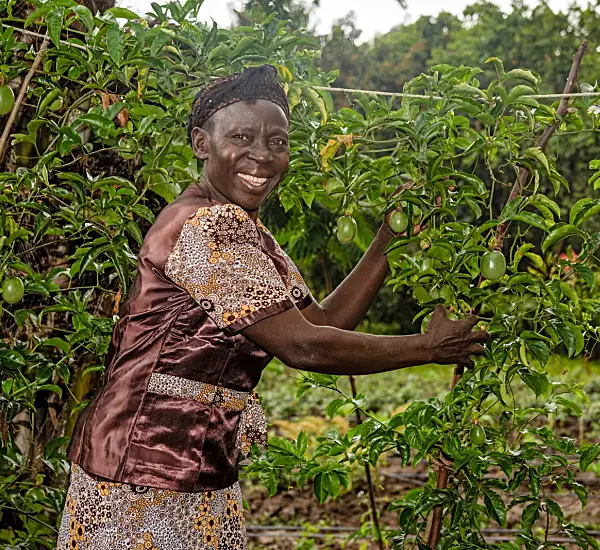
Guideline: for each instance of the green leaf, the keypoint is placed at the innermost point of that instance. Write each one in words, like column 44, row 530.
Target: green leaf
column 586, row 274
column 331, row 409
column 559, row 233
column 319, row 488
column 579, row 208
column 580, row 491
column 11, row 359
column 317, row 101
column 531, row 219
column 539, row 349
column 571, row 337
column 54, row 22
column 539, row 155
column 530, row 515
column 51, row 387
column 143, row 212
column 157, row 44
column 495, row 506
column 522, row 75
column 554, row 509
column 114, row 43
column 57, row 342
column 537, row 381
column 123, row 13
column 85, row 16
column 588, row 456
column 91, row 255
column 518, row 92
column 570, row 405
column 95, row 121
column 543, row 200
column 331, row 483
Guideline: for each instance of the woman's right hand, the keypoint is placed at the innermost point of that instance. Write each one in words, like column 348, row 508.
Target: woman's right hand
column 453, row 342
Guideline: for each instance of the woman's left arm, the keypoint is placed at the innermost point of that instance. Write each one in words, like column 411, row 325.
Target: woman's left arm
column 347, row 305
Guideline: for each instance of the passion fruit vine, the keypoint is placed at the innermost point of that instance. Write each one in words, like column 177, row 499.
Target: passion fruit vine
column 346, row 229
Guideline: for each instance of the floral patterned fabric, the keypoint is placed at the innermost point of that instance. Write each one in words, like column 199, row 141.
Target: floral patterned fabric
column 218, row 259
column 101, row 515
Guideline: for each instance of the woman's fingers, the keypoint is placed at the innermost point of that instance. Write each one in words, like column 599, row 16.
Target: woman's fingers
column 466, row 362
column 470, row 321
column 476, row 349
column 439, row 313
column 480, row 336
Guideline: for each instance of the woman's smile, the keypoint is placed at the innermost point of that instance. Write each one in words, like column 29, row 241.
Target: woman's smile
column 252, row 180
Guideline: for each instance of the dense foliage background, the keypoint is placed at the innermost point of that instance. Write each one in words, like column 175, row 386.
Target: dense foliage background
column 99, row 146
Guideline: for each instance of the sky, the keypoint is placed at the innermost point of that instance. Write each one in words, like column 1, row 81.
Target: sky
column 372, row 16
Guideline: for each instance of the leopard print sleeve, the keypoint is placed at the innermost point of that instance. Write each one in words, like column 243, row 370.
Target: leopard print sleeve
column 219, row 261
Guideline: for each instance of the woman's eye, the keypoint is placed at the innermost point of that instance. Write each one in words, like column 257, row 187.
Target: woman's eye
column 280, row 142
column 242, row 137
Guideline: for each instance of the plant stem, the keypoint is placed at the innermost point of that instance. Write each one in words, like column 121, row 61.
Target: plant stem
column 20, row 98
column 374, row 515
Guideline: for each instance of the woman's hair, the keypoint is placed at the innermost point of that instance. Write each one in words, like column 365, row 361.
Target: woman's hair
column 252, row 83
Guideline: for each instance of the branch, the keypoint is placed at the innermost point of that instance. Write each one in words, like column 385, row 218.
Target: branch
column 523, row 173
column 545, row 137
column 20, row 98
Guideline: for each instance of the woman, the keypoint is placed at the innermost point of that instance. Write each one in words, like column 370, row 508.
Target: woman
column 155, row 454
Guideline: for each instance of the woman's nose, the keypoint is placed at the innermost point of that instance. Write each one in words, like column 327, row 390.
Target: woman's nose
column 260, row 152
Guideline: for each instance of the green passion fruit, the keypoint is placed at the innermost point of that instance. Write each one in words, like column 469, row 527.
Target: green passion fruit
column 493, row 265
column 7, row 99
column 335, row 189
column 128, row 148
column 477, row 435
column 12, row 290
column 346, row 229
column 57, row 104
column 398, row 221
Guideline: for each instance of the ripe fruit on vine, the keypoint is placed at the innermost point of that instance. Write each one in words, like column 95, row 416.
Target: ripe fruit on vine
column 12, row 290
column 346, row 229
column 334, row 188
column 398, row 221
column 7, row 99
column 493, row 265
column 477, row 435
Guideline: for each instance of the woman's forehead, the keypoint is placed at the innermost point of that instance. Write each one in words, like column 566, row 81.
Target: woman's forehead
column 252, row 113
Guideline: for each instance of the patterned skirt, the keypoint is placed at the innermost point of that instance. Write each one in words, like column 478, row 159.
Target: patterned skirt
column 101, row 515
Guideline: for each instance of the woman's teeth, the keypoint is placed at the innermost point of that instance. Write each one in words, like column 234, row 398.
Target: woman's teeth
column 252, row 179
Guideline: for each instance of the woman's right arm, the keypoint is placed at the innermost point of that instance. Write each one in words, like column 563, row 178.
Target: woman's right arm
column 302, row 345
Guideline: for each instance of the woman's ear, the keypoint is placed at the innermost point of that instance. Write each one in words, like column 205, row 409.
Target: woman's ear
column 199, row 143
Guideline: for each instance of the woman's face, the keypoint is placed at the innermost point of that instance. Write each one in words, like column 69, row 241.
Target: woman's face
column 245, row 151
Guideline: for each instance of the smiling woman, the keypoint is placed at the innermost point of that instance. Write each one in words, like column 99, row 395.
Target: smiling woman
column 155, row 454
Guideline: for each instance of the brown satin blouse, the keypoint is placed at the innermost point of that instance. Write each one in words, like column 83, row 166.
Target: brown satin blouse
column 176, row 407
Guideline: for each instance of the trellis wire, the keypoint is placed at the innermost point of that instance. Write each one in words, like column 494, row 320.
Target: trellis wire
column 351, row 90
column 437, row 97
